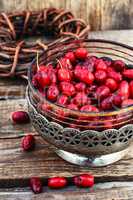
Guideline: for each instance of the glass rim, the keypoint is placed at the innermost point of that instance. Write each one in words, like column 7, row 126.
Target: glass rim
column 100, row 113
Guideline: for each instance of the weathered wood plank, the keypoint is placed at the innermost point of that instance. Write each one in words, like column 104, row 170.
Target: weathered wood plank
column 112, row 194
column 16, row 164
column 13, row 5
column 123, row 36
column 7, row 128
column 101, row 14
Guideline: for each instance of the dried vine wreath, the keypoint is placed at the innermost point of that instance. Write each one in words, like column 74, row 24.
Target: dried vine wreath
column 16, row 54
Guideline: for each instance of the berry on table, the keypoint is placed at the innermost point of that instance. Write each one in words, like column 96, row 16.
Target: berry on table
column 20, row 117
column 81, row 53
column 57, row 182
column 28, row 142
column 84, row 180
column 36, row 185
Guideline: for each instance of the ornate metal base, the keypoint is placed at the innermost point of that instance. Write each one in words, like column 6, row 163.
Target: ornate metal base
column 97, row 161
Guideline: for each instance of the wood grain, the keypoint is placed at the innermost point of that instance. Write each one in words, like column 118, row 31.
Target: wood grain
column 101, row 14
column 109, row 194
column 43, row 162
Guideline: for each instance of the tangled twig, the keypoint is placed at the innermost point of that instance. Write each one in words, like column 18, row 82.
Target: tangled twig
column 16, row 54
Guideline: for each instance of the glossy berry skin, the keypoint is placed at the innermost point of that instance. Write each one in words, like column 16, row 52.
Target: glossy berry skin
column 72, row 106
column 83, row 75
column 100, row 76
column 43, row 79
column 28, row 142
column 108, row 61
column 124, row 90
column 107, row 103
column 111, row 84
column 80, row 87
column 126, row 103
column 80, row 99
column 36, row 185
column 57, row 182
column 100, row 65
column 128, row 74
column 115, row 75
column 117, row 100
column 52, row 93
column 62, row 100
column 102, row 92
column 84, row 180
column 20, row 117
column 119, row 65
column 64, row 63
column 64, row 75
column 81, row 53
column 131, row 89
column 70, row 55
column 67, row 88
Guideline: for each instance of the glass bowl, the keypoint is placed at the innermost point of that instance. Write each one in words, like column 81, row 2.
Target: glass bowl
column 92, row 139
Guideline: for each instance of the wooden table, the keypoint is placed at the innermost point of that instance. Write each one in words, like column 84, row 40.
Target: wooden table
column 114, row 182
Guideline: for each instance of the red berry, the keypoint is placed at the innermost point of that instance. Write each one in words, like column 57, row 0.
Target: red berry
column 62, row 100
column 131, row 89
column 115, row 75
column 57, row 182
column 102, row 92
column 83, row 75
column 81, row 53
column 84, row 180
column 67, row 88
column 100, row 76
column 20, row 117
column 43, row 79
column 119, row 65
column 89, row 63
column 64, row 75
column 52, row 93
column 128, row 73
column 28, row 142
column 124, row 90
column 43, row 68
column 100, row 65
column 70, row 55
column 80, row 87
column 111, row 84
column 36, row 185
column 80, row 99
column 127, row 102
column 72, row 106
column 52, row 76
column 64, row 63
column 117, row 100
column 107, row 103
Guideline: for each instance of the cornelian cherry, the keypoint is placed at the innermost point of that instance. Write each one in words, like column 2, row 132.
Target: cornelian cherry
column 64, row 75
column 57, row 182
column 84, row 180
column 67, row 88
column 111, row 83
column 81, row 53
column 52, row 93
column 70, row 55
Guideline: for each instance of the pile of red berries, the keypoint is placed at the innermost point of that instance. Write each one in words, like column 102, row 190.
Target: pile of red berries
column 83, row 180
column 86, row 83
